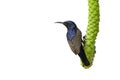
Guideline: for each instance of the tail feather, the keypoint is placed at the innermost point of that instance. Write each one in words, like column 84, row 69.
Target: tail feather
column 83, row 57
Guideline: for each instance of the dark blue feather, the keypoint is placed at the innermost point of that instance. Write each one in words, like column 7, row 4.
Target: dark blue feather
column 71, row 30
column 70, row 34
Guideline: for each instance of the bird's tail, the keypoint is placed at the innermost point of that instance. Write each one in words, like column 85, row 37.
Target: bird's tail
column 83, row 56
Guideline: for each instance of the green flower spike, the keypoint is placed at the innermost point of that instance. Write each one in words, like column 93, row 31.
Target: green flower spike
column 92, row 30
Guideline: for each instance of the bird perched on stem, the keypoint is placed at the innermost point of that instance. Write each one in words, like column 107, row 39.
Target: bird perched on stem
column 74, row 38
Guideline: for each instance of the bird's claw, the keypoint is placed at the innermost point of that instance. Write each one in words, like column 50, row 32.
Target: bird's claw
column 84, row 39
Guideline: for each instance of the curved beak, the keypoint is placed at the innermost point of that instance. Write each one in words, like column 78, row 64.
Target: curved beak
column 64, row 23
column 60, row 22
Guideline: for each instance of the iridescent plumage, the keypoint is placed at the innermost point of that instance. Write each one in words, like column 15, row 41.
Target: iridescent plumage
column 74, row 38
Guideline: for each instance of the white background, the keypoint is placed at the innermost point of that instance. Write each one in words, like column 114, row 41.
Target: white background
column 33, row 47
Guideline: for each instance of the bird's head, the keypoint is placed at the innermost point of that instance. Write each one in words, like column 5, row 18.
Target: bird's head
column 68, row 24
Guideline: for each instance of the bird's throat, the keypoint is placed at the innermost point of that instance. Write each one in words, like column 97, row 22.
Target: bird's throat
column 70, row 34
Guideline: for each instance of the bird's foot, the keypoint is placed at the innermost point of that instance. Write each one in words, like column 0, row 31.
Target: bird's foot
column 84, row 39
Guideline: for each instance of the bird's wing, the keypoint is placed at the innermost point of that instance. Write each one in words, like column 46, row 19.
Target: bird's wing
column 75, row 43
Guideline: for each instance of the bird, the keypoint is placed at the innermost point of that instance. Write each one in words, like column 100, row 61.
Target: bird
column 74, row 38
